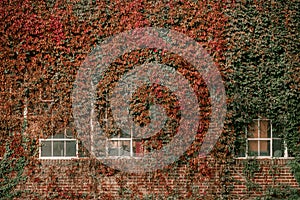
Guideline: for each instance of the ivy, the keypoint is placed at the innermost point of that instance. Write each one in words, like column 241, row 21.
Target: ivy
column 12, row 165
column 254, row 44
column 251, row 166
column 280, row 192
column 264, row 63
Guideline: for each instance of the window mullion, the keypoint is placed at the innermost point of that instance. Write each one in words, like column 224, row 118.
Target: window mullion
column 271, row 142
column 119, row 147
column 285, row 149
column 131, row 147
column 106, row 126
column 258, row 132
column 40, row 148
column 106, row 147
column 52, row 148
column 65, row 143
column 65, row 148
column 77, row 148
column 247, row 142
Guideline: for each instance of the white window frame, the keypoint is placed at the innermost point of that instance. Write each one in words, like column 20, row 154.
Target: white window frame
column 270, row 139
column 52, row 140
column 120, row 139
column 108, row 140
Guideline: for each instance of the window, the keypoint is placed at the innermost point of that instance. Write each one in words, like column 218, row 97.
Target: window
column 59, row 146
column 118, row 143
column 262, row 141
column 124, row 147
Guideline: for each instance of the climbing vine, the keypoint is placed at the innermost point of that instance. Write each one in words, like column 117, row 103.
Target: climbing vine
column 254, row 45
column 263, row 57
column 18, row 152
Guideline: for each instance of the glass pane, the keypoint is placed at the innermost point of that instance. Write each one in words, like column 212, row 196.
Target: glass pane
column 265, row 128
column 83, row 151
column 119, row 148
column 113, row 148
column 253, row 129
column 138, row 149
column 58, row 148
column 99, row 146
column 276, row 132
column 278, row 148
column 264, row 148
column 46, row 148
column 125, row 135
column 253, row 148
column 59, row 135
column 69, row 134
column 125, row 148
column 241, row 151
column 291, row 153
column 70, row 148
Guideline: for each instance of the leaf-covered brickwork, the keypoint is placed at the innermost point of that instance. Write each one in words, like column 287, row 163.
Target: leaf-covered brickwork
column 265, row 62
column 253, row 44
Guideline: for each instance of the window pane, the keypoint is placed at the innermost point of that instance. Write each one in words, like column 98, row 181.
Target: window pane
column 46, row 148
column 253, row 129
column 264, row 148
column 83, row 151
column 125, row 148
column 113, row 148
column 124, row 135
column 70, row 148
column 99, row 147
column 138, row 149
column 276, row 132
column 241, row 151
column 119, row 148
column 253, row 148
column 265, row 128
column 59, row 135
column 291, row 153
column 58, row 148
column 69, row 133
column 278, row 148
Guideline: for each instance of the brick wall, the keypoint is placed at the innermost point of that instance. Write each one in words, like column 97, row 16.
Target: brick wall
column 83, row 179
column 270, row 174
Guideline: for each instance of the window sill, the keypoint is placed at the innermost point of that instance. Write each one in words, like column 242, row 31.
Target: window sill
column 120, row 157
column 266, row 157
column 87, row 158
column 58, row 158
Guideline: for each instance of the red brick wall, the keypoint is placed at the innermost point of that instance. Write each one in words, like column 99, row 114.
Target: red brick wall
column 271, row 173
column 81, row 179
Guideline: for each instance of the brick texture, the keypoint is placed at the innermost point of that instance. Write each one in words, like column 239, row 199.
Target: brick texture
column 82, row 179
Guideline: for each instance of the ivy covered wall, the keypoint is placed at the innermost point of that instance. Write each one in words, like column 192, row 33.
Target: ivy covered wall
column 254, row 44
column 263, row 54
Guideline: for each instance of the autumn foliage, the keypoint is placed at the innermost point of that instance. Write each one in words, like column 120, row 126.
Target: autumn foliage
column 44, row 43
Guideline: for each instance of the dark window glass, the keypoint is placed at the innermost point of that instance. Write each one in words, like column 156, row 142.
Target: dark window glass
column 46, row 149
